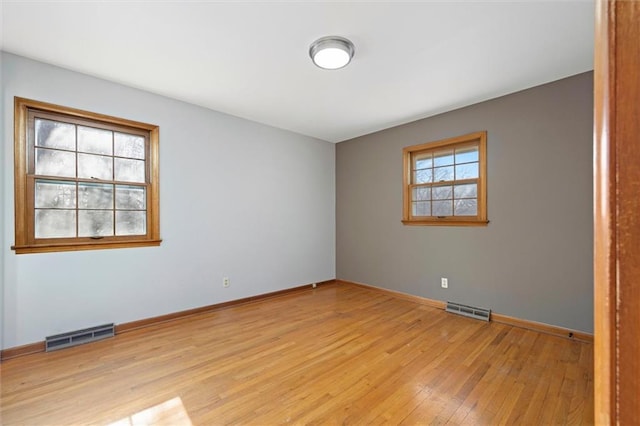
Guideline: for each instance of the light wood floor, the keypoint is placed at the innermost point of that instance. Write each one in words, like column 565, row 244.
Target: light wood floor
column 336, row 354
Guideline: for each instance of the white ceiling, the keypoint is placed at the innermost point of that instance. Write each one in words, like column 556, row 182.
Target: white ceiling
column 250, row 59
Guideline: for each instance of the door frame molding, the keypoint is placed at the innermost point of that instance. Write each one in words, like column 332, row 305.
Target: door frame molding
column 616, row 212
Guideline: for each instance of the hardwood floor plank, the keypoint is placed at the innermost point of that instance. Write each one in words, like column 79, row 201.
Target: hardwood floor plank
column 337, row 354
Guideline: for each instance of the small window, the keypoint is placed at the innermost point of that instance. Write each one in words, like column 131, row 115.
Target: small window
column 83, row 180
column 445, row 182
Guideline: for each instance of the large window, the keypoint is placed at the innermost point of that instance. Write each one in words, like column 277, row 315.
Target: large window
column 445, row 182
column 83, row 180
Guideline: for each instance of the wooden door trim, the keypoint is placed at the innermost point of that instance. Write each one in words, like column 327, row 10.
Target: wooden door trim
column 616, row 222
column 604, row 222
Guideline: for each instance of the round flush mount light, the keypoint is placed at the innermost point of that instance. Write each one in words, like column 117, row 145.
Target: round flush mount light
column 331, row 53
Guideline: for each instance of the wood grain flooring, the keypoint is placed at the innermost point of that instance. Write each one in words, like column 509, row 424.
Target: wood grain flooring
column 338, row 354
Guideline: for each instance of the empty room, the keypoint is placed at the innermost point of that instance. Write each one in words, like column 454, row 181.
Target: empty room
column 298, row 212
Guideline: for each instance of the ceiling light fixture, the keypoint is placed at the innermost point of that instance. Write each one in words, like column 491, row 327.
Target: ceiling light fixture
column 332, row 52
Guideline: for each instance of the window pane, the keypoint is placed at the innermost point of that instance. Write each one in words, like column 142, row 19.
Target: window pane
column 95, row 167
column 131, row 146
column 466, row 191
column 467, row 171
column 422, row 208
column 130, row 170
column 55, row 223
column 423, row 161
column 443, row 173
column 53, row 134
column 95, row 223
column 55, row 163
column 443, row 158
column 96, row 141
column 131, row 197
column 442, row 192
column 467, row 155
column 443, row 208
column 421, row 194
column 55, row 194
column 131, row 223
column 423, row 176
column 468, row 207
column 95, row 196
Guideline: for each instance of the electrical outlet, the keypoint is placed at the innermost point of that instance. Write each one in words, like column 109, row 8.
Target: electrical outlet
column 444, row 282
column 225, row 282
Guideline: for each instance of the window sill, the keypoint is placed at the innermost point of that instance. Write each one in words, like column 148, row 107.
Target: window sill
column 49, row 248
column 445, row 222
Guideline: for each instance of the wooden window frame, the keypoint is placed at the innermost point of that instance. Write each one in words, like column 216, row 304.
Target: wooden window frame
column 408, row 153
column 24, row 181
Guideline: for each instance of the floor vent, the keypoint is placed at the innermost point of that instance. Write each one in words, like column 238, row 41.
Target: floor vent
column 78, row 337
column 469, row 311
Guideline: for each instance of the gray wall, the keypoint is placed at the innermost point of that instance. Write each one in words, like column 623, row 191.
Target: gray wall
column 534, row 259
column 237, row 199
column 3, row 239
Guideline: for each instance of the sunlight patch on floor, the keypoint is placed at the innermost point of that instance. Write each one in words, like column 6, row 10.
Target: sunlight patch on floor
column 170, row 412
